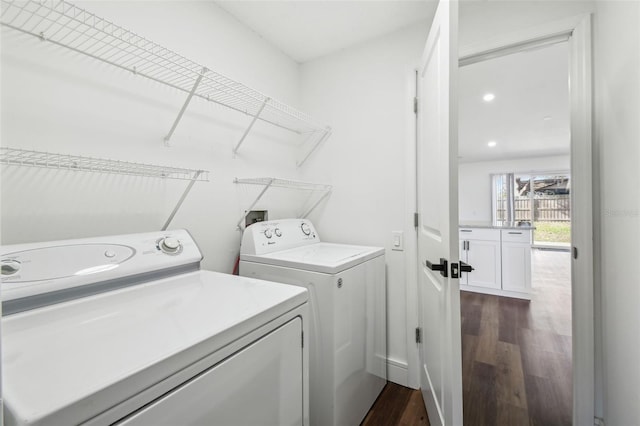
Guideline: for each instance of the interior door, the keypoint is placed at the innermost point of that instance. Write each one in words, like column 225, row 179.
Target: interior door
column 437, row 171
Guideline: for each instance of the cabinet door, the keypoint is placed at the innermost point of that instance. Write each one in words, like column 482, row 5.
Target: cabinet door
column 516, row 266
column 484, row 257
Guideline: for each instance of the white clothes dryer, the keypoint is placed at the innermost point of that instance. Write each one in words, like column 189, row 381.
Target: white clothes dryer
column 128, row 330
column 347, row 293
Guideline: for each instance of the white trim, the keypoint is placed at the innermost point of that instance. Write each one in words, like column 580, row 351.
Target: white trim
column 582, row 271
column 527, row 45
column 411, row 245
column 506, row 41
column 495, row 292
column 397, row 372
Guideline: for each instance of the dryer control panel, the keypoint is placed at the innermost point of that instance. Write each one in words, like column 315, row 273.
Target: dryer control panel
column 36, row 269
column 276, row 235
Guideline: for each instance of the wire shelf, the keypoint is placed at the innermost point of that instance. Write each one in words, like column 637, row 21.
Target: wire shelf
column 270, row 182
column 22, row 157
column 284, row 183
column 64, row 24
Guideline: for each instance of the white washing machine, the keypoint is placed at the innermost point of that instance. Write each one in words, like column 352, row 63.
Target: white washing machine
column 128, row 330
column 347, row 293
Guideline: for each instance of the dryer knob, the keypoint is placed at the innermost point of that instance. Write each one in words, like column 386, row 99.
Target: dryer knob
column 10, row 267
column 306, row 230
column 170, row 245
column 278, row 232
column 268, row 233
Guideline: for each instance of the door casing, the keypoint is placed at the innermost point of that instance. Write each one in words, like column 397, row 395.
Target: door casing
column 585, row 366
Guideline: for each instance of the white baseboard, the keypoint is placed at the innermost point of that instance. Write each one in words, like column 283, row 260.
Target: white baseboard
column 397, row 372
column 495, row 292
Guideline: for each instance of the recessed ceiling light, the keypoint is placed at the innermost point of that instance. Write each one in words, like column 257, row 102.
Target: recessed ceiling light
column 491, row 144
column 488, row 97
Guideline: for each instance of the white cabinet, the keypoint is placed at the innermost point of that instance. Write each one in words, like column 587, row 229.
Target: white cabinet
column 516, row 260
column 480, row 248
column 501, row 259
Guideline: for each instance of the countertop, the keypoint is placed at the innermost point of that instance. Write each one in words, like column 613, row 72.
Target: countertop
column 496, row 225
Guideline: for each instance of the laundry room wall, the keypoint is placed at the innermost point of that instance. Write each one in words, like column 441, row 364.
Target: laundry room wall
column 474, row 181
column 59, row 101
column 366, row 93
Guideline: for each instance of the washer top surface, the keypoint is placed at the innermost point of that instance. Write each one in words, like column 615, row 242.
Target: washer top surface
column 89, row 354
column 328, row 258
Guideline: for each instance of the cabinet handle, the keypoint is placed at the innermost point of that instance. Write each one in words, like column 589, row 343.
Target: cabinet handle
column 466, row 230
column 468, row 245
column 516, row 233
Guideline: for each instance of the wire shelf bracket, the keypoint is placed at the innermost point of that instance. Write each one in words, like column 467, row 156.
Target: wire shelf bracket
column 184, row 106
column 64, row 24
column 246, row 132
column 181, row 200
column 29, row 158
column 324, row 135
column 270, row 182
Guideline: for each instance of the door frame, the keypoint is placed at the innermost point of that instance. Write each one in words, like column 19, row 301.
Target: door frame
column 582, row 231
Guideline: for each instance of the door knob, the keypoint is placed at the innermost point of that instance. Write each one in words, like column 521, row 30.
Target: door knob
column 442, row 266
column 465, row 267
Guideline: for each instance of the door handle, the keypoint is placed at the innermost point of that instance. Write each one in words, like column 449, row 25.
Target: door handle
column 456, row 269
column 442, row 266
column 465, row 267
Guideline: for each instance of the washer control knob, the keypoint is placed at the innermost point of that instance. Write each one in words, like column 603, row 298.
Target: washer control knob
column 306, row 230
column 10, row 267
column 268, row 233
column 170, row 245
column 110, row 254
column 278, row 232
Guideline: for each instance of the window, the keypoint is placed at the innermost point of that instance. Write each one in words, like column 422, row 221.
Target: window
column 543, row 200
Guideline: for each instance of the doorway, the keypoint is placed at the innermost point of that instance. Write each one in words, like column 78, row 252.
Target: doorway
column 514, row 170
column 577, row 30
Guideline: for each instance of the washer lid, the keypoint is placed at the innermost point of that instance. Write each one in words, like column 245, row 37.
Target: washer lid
column 65, row 363
column 328, row 258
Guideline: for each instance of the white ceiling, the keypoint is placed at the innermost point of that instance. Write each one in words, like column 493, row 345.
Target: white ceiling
column 308, row 29
column 529, row 116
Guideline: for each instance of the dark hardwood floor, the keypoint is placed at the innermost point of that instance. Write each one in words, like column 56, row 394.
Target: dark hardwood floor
column 516, row 355
column 397, row 405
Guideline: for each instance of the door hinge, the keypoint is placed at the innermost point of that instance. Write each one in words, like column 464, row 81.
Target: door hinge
column 418, row 335
column 415, row 105
column 416, row 217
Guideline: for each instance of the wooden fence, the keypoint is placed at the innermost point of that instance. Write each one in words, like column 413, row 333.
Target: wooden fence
column 549, row 208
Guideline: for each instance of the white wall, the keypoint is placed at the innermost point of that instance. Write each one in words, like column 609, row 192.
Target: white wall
column 366, row 93
column 617, row 134
column 59, row 101
column 474, row 181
